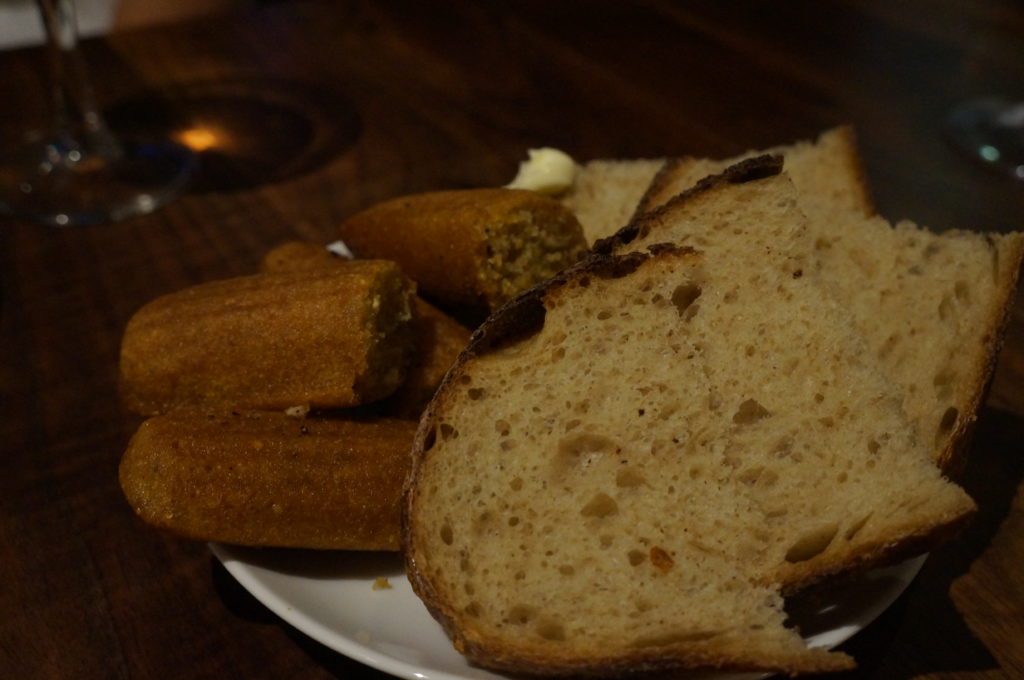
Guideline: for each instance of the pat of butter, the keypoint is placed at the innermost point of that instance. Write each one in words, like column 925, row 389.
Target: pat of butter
column 547, row 171
column 340, row 249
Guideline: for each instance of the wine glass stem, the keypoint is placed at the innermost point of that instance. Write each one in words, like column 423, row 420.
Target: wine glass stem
column 80, row 127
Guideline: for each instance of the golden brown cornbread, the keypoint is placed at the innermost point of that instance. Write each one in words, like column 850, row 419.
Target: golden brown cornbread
column 473, row 247
column 267, row 479
column 630, row 463
column 438, row 338
column 322, row 339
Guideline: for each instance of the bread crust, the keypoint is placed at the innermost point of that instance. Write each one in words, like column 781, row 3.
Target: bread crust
column 524, row 314
column 748, row 170
column 855, row 163
column 841, row 141
column 886, row 551
column 659, row 184
column 953, row 458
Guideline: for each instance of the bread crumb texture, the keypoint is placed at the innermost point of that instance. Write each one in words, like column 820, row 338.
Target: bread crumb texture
column 632, row 486
column 930, row 305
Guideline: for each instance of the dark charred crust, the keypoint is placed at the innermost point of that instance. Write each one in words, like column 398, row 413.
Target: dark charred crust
column 758, row 167
column 612, row 266
column 523, row 315
column 520, row 317
column 748, row 170
column 875, row 557
column 664, row 175
column 624, row 236
column 659, row 248
column 635, row 665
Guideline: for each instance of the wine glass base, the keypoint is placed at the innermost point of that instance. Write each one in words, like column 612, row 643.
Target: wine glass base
column 991, row 131
column 43, row 183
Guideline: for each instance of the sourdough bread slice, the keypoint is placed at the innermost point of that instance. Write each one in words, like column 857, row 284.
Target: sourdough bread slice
column 629, row 463
column 605, row 193
column 828, row 172
column 932, row 306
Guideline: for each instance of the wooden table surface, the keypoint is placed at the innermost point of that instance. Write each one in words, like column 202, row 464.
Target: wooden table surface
column 391, row 98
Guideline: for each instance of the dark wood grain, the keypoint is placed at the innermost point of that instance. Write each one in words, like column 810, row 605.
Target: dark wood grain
column 448, row 95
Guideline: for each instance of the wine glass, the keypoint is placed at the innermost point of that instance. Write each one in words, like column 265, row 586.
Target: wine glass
column 79, row 172
column 991, row 130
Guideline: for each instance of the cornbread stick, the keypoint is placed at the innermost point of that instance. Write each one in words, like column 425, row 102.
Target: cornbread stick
column 323, row 339
column 267, row 479
column 437, row 337
column 472, row 247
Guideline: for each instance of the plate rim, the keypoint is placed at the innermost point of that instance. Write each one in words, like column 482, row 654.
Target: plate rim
column 242, row 571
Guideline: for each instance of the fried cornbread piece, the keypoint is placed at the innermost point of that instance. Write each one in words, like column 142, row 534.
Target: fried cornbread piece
column 471, row 247
column 438, row 338
column 323, row 339
column 267, row 479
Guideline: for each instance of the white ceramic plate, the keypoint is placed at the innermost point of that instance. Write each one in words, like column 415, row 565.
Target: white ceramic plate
column 330, row 596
